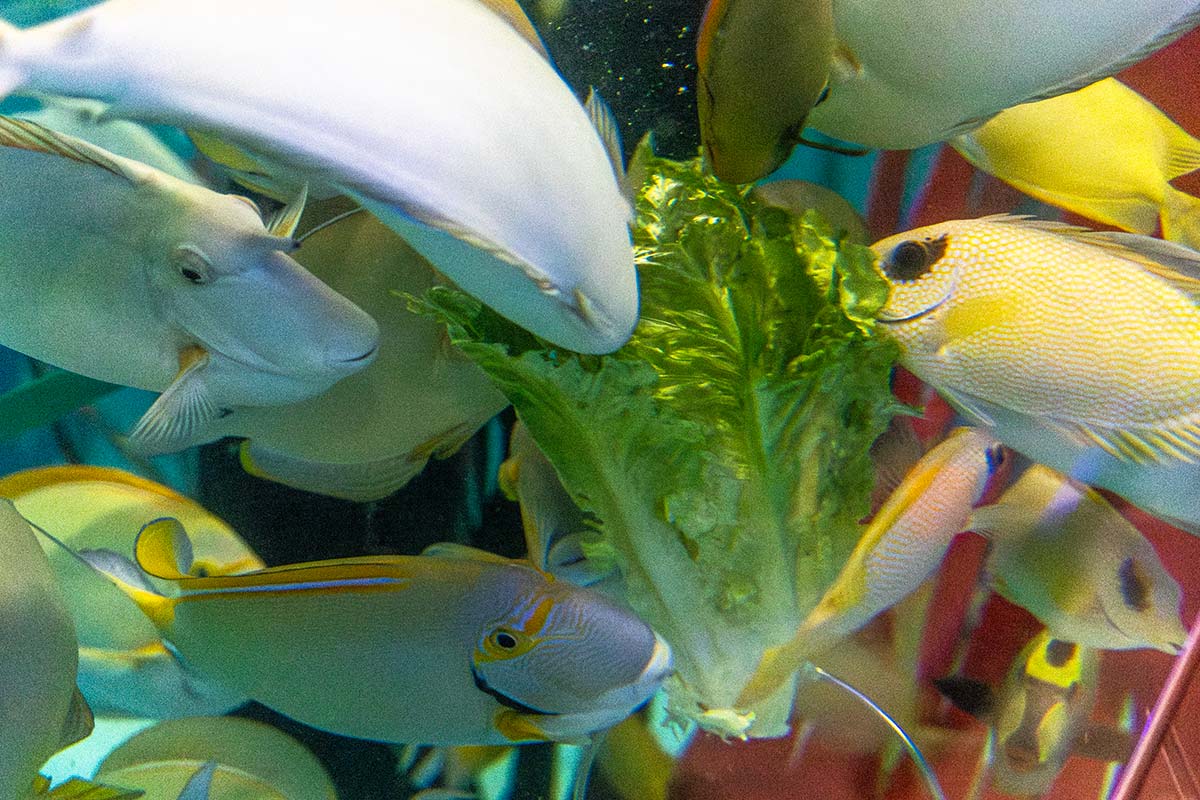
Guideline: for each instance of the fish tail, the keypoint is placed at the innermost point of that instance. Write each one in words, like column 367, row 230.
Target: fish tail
column 1180, row 217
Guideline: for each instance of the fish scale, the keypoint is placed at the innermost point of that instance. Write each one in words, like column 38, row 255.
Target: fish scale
column 1055, row 308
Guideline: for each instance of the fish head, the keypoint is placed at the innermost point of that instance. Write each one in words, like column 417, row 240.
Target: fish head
column 571, row 656
column 922, row 268
column 231, row 286
column 1141, row 599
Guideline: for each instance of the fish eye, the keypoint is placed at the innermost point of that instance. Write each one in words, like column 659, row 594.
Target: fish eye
column 912, row 259
column 504, row 640
column 191, row 265
column 1135, row 585
column 823, row 96
column 995, row 457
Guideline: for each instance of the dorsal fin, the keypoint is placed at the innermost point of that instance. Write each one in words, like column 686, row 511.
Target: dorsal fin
column 164, row 550
column 607, row 127
column 511, row 12
column 463, row 552
column 1174, row 263
column 284, row 222
column 28, row 135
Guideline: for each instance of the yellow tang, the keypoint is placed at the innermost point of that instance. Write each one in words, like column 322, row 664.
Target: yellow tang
column 250, row 761
column 1080, row 349
column 1104, row 152
column 902, row 546
column 457, row 647
column 1059, row 550
column 124, row 668
column 762, row 66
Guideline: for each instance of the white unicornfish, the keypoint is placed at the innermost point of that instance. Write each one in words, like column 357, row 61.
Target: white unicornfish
column 487, row 163
column 117, row 271
column 912, row 72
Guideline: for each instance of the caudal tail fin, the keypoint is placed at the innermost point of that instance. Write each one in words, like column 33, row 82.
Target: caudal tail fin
column 1180, row 218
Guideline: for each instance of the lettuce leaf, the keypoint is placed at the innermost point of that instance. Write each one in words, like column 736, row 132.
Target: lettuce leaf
column 724, row 449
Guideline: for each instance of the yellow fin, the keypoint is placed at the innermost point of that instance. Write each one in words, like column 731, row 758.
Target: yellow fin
column 28, row 135
column 30, row 480
column 164, row 550
column 518, row 727
column 287, row 219
column 79, row 789
column 181, row 414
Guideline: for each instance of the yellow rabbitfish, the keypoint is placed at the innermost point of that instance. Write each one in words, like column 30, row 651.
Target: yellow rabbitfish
column 247, row 760
column 900, row 548
column 40, row 709
column 1104, row 152
column 1080, row 349
column 1060, row 551
column 124, row 667
column 358, row 646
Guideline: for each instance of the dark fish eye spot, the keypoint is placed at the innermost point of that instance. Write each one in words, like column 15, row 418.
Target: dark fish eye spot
column 505, row 640
column 912, row 259
column 995, row 458
column 1059, row 652
column 1135, row 585
column 823, row 96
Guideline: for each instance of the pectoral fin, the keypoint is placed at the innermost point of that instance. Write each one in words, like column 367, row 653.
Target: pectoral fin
column 181, row 415
column 164, row 550
column 79, row 723
column 519, row 727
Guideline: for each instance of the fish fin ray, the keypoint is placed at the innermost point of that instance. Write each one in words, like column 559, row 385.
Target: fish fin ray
column 80, row 789
column 79, row 723
column 285, row 221
column 28, row 135
column 181, row 414
column 1180, row 218
column 1183, row 153
column 163, row 549
column 361, row 482
column 1178, row 442
column 118, row 569
column 606, row 125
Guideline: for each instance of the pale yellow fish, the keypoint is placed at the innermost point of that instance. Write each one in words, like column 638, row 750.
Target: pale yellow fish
column 1104, row 152
column 900, row 548
column 359, row 646
column 124, row 667
column 250, row 761
column 373, row 431
column 1059, row 550
column 1079, row 349
column 37, row 660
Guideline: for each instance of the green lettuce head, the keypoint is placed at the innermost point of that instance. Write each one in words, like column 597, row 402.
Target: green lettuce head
column 724, row 450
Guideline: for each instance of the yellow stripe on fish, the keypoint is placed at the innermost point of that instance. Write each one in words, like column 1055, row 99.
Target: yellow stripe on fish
column 899, row 549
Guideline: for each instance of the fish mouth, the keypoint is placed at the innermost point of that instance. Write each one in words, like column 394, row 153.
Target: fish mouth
column 888, row 320
column 367, row 356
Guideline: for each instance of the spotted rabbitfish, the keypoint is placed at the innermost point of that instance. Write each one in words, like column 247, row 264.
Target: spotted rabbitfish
column 1079, row 349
